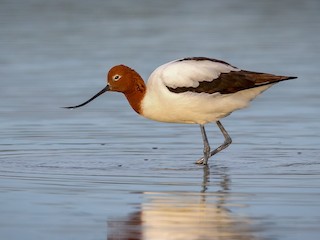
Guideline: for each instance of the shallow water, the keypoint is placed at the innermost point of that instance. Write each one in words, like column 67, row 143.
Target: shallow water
column 101, row 172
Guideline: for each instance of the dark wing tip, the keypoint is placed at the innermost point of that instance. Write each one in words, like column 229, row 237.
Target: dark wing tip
column 204, row 59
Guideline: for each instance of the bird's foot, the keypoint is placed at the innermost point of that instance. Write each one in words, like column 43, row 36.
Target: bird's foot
column 202, row 161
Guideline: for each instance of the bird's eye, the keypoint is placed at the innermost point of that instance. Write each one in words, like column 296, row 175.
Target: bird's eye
column 116, row 77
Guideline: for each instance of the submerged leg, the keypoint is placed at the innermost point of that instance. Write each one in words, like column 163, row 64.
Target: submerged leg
column 206, row 147
column 227, row 142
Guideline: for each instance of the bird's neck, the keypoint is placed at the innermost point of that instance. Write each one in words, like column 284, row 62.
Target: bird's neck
column 137, row 93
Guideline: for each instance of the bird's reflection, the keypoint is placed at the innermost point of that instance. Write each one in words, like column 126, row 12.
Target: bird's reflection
column 185, row 216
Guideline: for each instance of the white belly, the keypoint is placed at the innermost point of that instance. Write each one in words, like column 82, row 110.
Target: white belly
column 160, row 104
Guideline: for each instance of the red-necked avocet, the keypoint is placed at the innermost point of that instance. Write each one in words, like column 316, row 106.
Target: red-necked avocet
column 195, row 90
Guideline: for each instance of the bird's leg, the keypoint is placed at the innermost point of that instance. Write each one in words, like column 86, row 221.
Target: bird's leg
column 206, row 147
column 227, row 142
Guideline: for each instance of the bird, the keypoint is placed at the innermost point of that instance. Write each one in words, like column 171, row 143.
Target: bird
column 191, row 90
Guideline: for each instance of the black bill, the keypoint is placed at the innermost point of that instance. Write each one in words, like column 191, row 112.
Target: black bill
column 95, row 96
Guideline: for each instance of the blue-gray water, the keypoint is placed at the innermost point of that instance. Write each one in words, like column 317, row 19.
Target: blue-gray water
column 102, row 172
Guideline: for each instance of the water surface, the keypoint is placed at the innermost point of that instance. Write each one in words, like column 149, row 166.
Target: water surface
column 102, row 172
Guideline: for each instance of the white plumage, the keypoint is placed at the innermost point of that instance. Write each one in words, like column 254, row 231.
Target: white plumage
column 160, row 104
column 188, row 73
